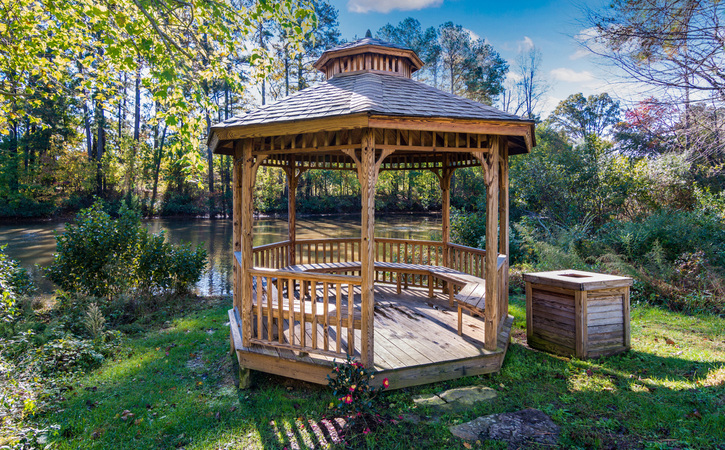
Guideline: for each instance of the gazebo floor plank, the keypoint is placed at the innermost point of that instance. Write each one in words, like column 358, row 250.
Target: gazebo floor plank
column 416, row 342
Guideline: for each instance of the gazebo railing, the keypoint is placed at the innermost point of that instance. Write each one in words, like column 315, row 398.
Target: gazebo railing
column 321, row 251
column 330, row 250
column 467, row 259
column 272, row 256
column 333, row 335
column 305, row 312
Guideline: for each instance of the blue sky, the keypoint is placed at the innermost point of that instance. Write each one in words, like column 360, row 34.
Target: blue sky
column 552, row 26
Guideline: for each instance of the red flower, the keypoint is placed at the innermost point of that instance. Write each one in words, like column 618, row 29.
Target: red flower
column 366, row 431
column 386, row 383
column 348, row 399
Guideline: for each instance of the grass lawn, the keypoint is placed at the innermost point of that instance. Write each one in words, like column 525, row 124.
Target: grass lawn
column 172, row 386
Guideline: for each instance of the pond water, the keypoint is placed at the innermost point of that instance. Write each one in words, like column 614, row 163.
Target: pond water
column 33, row 244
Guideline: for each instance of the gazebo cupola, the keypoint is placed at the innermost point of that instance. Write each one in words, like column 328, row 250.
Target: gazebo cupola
column 368, row 55
column 300, row 304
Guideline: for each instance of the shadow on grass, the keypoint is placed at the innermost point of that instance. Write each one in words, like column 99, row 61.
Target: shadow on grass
column 174, row 387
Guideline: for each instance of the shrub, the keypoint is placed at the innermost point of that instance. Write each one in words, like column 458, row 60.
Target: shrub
column 14, row 283
column 355, row 398
column 468, row 228
column 69, row 355
column 103, row 257
column 676, row 232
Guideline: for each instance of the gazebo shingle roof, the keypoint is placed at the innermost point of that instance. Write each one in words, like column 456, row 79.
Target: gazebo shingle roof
column 374, row 93
column 367, row 41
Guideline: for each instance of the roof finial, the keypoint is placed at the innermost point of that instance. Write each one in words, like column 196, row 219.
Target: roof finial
column 368, row 34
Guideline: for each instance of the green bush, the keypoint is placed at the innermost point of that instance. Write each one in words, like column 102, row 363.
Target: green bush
column 103, row 257
column 468, row 228
column 676, row 232
column 182, row 205
column 14, row 283
column 68, row 355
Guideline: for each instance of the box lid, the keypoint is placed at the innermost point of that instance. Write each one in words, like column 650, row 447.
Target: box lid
column 578, row 280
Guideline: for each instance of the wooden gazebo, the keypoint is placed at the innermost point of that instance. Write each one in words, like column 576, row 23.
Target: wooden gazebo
column 299, row 305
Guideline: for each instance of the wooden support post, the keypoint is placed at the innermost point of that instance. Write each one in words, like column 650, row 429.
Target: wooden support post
column 292, row 180
column 489, row 162
column 247, row 210
column 249, row 169
column 245, row 378
column 503, row 213
column 445, row 183
column 368, row 169
column 237, row 222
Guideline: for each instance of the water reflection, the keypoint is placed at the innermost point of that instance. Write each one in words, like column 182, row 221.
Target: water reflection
column 33, row 244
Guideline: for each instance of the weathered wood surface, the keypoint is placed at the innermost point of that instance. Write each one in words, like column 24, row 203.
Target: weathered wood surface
column 578, row 280
column 490, row 164
column 586, row 323
column 416, row 343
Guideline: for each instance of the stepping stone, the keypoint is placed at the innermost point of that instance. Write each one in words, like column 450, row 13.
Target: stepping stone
column 519, row 429
column 455, row 400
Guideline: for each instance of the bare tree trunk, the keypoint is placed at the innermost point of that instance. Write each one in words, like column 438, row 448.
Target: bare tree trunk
column 157, row 167
column 210, row 163
column 121, row 109
column 300, row 76
column 13, row 179
column 137, row 108
column 286, row 70
column 100, row 147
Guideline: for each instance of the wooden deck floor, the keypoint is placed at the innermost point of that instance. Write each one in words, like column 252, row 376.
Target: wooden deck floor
column 416, row 342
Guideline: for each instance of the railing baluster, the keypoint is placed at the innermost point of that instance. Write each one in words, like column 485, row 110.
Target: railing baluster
column 338, row 316
column 270, row 321
column 303, row 301
column 291, row 310
column 326, row 311
column 260, row 298
column 313, row 304
column 280, row 316
column 350, row 320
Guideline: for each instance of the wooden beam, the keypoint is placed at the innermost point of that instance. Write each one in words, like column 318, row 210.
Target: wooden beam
column 445, row 184
column 248, row 172
column 524, row 129
column 368, row 169
column 504, row 225
column 237, row 222
column 489, row 162
column 293, row 127
column 293, row 178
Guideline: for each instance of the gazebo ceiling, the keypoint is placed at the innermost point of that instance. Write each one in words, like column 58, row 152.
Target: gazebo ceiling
column 370, row 88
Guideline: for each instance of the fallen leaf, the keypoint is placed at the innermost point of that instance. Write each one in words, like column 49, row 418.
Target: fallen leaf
column 669, row 341
column 467, row 445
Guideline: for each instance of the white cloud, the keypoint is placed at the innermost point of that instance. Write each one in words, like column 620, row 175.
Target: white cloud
column 571, row 76
column 513, row 77
column 526, row 44
column 587, row 39
column 385, row 6
column 472, row 34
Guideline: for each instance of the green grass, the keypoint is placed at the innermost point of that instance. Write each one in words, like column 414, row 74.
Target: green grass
column 177, row 381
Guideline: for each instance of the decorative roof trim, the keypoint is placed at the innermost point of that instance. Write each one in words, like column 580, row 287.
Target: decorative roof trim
column 416, row 62
column 522, row 129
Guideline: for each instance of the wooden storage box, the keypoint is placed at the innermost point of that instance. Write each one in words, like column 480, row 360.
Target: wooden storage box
column 571, row 312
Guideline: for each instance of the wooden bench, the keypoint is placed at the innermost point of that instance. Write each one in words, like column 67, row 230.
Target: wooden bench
column 471, row 296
